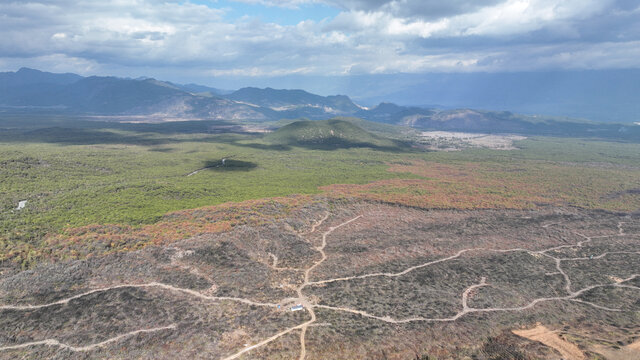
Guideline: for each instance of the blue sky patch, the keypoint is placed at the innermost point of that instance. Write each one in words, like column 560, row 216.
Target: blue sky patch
column 272, row 14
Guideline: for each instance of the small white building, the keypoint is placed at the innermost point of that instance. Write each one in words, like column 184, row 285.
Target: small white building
column 297, row 307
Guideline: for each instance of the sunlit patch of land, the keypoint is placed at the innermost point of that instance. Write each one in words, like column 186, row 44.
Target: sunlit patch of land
column 451, row 141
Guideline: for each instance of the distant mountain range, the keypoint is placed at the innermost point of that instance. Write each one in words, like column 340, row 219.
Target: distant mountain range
column 599, row 95
column 33, row 90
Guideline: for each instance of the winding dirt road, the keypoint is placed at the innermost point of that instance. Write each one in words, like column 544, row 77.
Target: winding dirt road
column 152, row 284
column 54, row 342
column 310, row 307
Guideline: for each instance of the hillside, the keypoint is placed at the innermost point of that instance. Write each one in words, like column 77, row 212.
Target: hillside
column 129, row 240
column 99, row 95
column 333, row 133
column 291, row 104
column 292, row 99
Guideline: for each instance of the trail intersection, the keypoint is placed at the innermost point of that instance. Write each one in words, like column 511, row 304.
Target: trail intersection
column 311, row 303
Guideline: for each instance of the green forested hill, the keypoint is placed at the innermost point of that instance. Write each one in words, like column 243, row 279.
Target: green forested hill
column 328, row 133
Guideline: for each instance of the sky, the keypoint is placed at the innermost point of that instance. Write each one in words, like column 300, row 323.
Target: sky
column 225, row 42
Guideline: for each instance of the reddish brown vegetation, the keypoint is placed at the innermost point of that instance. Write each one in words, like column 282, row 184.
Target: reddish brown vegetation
column 495, row 186
column 95, row 240
column 460, row 186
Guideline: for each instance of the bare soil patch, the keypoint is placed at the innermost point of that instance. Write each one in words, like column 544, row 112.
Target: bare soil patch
column 448, row 140
column 629, row 352
column 550, row 338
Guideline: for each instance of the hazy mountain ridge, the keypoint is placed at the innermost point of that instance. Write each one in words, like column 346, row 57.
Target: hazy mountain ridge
column 116, row 96
column 291, row 99
column 28, row 88
column 26, row 76
column 599, row 95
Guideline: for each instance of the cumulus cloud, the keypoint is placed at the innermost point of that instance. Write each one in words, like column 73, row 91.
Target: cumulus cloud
column 426, row 9
column 375, row 36
column 511, row 17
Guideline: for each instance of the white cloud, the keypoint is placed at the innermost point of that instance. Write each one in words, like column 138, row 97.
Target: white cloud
column 522, row 16
column 256, row 71
column 382, row 36
column 511, row 17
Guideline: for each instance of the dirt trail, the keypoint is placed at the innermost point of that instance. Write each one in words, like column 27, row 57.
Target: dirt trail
column 462, row 252
column 176, row 260
column 266, row 341
column 274, row 264
column 301, row 299
column 467, row 310
column 222, row 162
column 321, row 250
column 152, row 284
column 318, row 223
column 572, row 295
column 54, row 342
column 540, row 333
column 587, row 239
column 465, row 294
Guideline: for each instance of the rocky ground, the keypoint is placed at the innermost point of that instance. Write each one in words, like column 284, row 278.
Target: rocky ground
column 375, row 281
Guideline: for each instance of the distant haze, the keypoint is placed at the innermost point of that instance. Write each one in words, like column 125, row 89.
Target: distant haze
column 36, row 92
column 599, row 95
